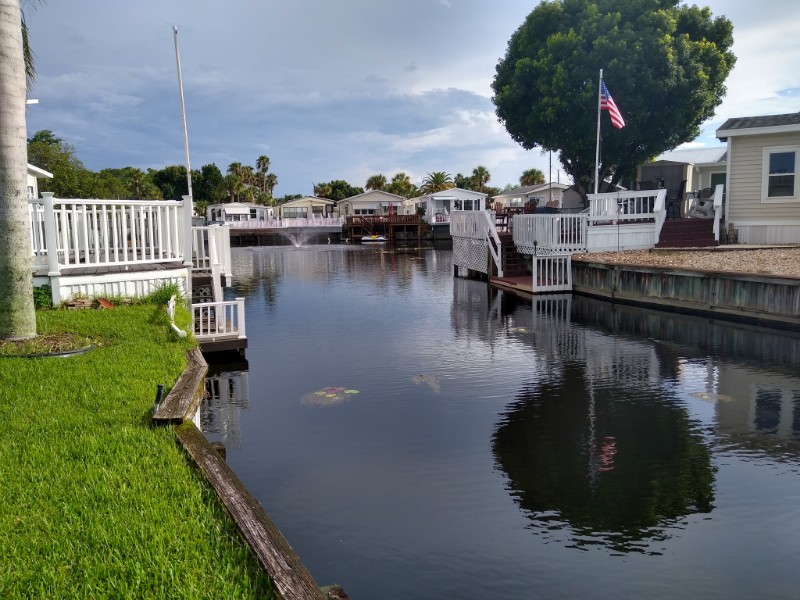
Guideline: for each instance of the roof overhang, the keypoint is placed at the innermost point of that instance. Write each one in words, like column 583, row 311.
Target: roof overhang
column 39, row 173
column 724, row 134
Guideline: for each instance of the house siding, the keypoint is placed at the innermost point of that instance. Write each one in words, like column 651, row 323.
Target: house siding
column 755, row 221
column 746, row 179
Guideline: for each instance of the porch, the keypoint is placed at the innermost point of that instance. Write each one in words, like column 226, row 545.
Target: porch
column 614, row 221
column 129, row 248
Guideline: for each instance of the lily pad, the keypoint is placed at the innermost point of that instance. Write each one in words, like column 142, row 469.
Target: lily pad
column 327, row 396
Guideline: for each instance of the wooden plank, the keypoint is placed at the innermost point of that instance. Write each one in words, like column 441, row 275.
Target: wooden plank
column 274, row 553
column 186, row 392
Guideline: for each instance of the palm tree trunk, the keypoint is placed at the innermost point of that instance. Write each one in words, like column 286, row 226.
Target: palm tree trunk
column 17, row 316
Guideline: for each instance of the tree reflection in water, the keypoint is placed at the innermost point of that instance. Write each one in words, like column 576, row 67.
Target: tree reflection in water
column 602, row 461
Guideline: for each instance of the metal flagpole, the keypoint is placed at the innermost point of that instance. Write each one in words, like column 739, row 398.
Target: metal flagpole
column 188, row 207
column 597, row 150
column 183, row 113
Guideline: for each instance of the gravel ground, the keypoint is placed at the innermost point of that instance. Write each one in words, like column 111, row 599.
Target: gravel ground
column 781, row 261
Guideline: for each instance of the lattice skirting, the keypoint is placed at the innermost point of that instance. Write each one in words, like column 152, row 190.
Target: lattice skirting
column 471, row 254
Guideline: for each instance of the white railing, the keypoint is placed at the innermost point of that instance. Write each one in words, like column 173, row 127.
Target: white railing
column 289, row 222
column 625, row 206
column 214, row 321
column 478, row 225
column 440, row 219
column 718, row 193
column 552, row 273
column 211, row 249
column 550, row 233
column 71, row 233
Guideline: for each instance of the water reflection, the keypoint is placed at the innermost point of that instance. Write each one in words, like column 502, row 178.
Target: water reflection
column 596, row 451
column 525, row 428
column 605, row 443
column 227, row 394
column 612, row 468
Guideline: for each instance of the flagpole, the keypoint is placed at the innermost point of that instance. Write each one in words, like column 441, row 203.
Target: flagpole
column 183, row 114
column 597, row 149
column 188, row 203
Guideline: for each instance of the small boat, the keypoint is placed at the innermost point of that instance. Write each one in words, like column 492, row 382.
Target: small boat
column 374, row 239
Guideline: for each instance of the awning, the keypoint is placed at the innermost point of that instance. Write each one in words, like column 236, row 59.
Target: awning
column 234, row 209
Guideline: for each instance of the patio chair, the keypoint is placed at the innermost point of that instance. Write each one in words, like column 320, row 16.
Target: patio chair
column 703, row 205
column 674, row 201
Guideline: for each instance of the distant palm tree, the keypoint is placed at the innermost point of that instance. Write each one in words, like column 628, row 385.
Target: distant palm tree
column 436, row 182
column 376, row 182
column 262, row 163
column 262, row 166
column 270, row 181
column 402, row 186
column 323, row 190
column 531, row 177
column 480, row 175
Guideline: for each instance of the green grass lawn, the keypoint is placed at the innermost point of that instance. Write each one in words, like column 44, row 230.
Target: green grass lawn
column 95, row 502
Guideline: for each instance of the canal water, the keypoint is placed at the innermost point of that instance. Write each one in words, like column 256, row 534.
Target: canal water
column 420, row 436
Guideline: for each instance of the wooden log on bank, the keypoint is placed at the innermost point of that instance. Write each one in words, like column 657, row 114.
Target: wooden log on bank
column 186, row 394
column 276, row 556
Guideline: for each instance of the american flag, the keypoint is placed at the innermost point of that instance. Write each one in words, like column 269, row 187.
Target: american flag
column 607, row 103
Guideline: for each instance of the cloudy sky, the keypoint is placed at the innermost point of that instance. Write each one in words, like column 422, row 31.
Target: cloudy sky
column 328, row 90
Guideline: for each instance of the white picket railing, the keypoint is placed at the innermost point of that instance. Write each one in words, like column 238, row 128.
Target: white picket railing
column 550, row 233
column 552, row 273
column 72, row 233
column 625, row 206
column 288, row 222
column 478, row 225
column 215, row 321
column 211, row 250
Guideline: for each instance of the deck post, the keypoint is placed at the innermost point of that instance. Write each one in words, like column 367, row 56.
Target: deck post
column 240, row 318
column 187, row 231
column 53, row 268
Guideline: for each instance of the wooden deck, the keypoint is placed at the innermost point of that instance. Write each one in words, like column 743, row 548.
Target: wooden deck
column 520, row 284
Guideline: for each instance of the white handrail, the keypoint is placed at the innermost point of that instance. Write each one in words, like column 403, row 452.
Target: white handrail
column 219, row 320
column 98, row 232
column 550, row 233
column 287, row 222
column 718, row 193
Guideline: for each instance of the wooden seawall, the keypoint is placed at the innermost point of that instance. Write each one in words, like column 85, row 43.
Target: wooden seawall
column 751, row 298
column 291, row 578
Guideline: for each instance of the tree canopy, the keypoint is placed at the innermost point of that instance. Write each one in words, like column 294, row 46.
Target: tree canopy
column 336, row 190
column 531, row 177
column 436, row 182
column 664, row 63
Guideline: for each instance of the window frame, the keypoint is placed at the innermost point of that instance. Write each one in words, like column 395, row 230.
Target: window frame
column 767, row 152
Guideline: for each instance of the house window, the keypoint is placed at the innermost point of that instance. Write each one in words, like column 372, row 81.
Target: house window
column 780, row 174
column 294, row 212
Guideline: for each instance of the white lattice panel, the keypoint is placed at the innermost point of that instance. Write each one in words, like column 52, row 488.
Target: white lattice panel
column 471, row 254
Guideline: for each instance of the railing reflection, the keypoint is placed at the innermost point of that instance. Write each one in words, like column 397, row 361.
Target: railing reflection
column 227, row 394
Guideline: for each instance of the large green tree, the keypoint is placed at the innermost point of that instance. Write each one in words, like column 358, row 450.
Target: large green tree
column 70, row 178
column 665, row 65
column 336, row 190
column 17, row 316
